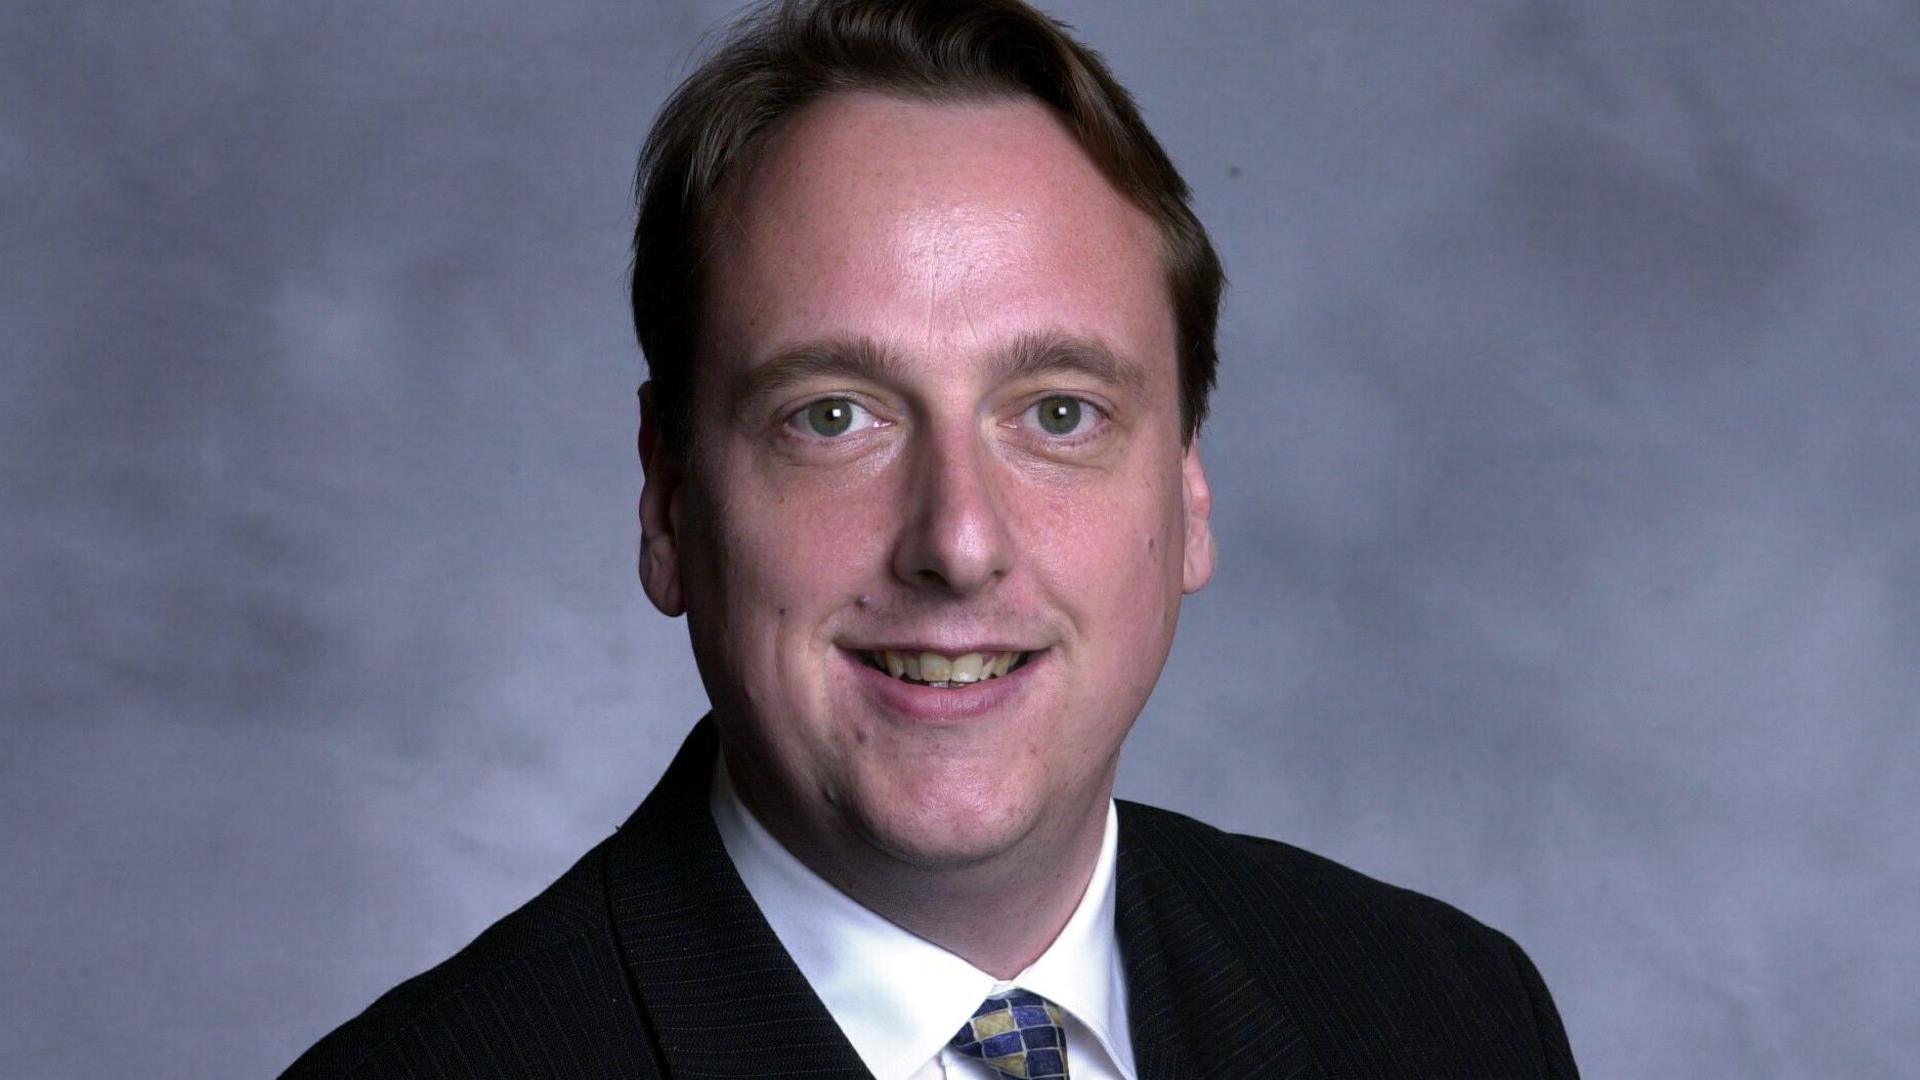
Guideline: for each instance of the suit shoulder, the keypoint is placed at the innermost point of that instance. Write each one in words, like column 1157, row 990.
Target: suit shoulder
column 1262, row 881
column 529, row 991
column 1369, row 968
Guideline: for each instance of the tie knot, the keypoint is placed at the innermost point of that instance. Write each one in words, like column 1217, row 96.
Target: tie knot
column 1019, row 1034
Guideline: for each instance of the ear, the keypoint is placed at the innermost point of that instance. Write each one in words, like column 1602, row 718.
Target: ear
column 1198, row 499
column 659, row 513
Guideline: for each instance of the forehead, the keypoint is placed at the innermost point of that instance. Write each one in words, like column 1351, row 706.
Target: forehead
column 936, row 226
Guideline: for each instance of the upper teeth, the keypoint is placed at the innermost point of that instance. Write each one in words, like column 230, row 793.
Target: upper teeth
column 934, row 668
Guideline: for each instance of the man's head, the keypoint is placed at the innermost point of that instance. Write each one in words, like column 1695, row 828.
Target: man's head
column 786, row 55
column 931, row 405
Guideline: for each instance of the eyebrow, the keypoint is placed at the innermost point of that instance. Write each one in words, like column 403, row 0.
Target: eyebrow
column 1049, row 354
column 844, row 358
column 867, row 360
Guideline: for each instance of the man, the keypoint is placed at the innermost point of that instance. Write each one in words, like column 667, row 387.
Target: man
column 930, row 333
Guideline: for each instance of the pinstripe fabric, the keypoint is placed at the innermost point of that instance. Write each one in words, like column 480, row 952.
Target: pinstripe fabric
column 540, row 993
column 724, row 997
column 1306, row 968
column 1244, row 958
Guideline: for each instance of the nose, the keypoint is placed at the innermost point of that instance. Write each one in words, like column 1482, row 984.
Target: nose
column 954, row 533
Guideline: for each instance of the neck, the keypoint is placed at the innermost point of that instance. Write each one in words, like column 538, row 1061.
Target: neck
column 998, row 913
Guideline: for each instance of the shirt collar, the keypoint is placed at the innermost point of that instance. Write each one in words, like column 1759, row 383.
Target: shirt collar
column 898, row 997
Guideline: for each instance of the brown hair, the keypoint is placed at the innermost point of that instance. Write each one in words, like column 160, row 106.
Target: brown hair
column 785, row 54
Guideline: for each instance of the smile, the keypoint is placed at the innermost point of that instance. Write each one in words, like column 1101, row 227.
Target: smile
column 937, row 670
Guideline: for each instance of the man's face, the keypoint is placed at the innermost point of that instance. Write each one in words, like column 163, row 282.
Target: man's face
column 937, row 419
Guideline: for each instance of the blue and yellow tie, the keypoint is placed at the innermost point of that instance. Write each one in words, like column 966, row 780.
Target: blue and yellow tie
column 1019, row 1034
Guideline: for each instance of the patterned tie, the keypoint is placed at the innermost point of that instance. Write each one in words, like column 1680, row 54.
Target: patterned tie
column 1019, row 1035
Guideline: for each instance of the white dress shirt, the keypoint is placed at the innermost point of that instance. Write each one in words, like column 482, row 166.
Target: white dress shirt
column 898, row 997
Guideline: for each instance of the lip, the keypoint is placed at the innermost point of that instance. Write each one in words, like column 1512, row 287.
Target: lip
column 934, row 706
column 943, row 648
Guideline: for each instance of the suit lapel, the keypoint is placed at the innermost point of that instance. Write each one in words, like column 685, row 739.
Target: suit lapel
column 721, row 994
column 1195, row 1009
column 724, row 999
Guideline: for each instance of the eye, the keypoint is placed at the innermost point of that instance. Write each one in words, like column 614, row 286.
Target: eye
column 830, row 418
column 1061, row 415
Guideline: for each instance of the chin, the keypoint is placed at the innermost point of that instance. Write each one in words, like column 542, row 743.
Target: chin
column 947, row 826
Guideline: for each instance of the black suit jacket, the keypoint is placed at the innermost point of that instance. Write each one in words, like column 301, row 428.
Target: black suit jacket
column 1244, row 958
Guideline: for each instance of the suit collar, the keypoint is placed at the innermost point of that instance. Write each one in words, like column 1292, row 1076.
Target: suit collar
column 1196, row 1009
column 734, row 1003
column 900, row 997
column 730, row 1003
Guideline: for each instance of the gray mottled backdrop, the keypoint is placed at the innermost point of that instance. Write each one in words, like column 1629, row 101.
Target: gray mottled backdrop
column 1565, row 453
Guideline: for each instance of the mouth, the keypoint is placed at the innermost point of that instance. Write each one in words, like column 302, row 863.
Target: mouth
column 941, row 671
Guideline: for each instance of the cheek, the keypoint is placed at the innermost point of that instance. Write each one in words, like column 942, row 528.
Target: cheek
column 1127, row 532
column 1113, row 567
column 793, row 552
